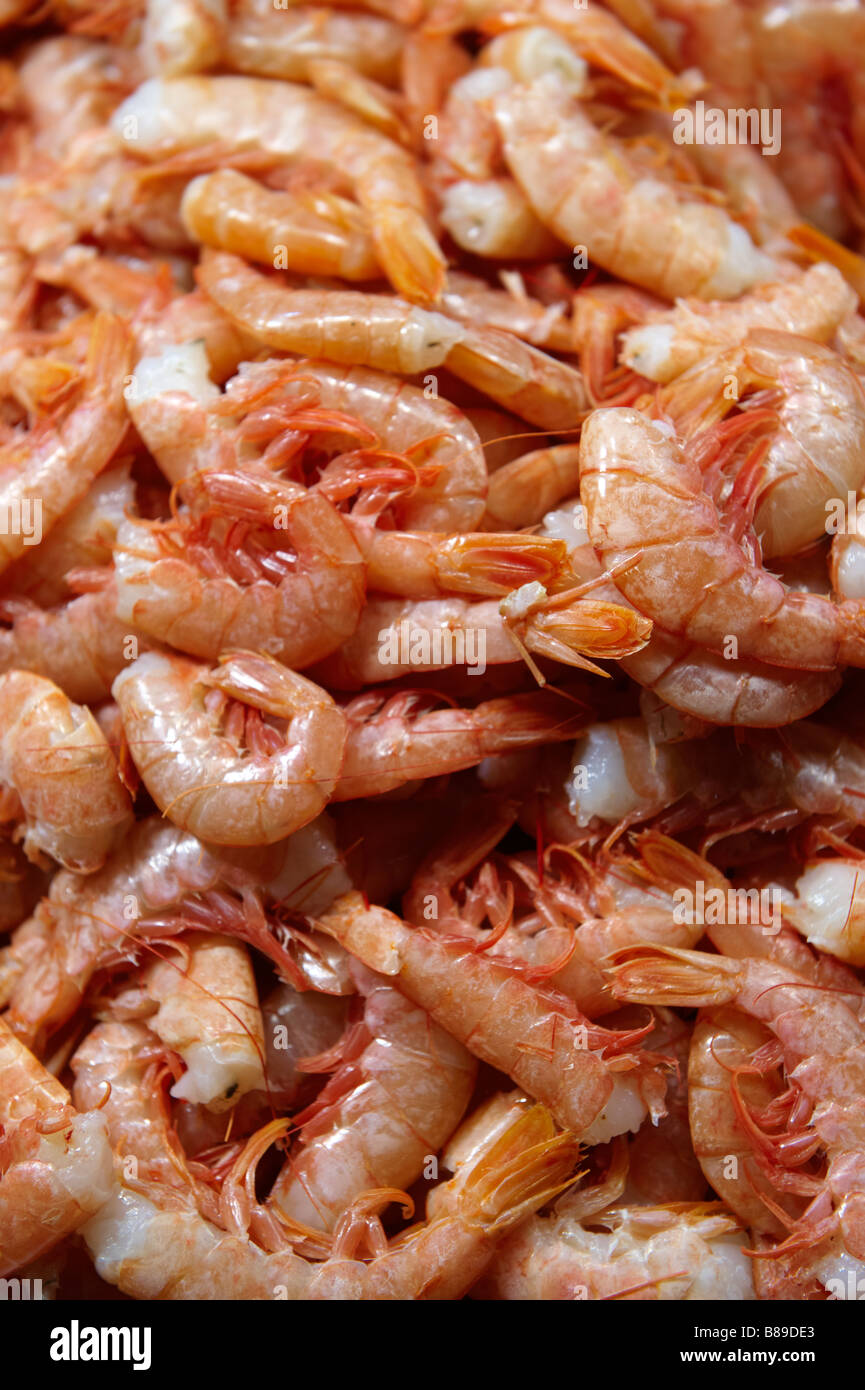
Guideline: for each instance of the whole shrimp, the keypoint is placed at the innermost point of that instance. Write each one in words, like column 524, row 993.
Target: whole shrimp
column 815, row 1032
column 55, row 761
column 399, row 1088
column 723, row 1078
column 267, row 399
column 294, row 590
column 161, row 881
column 154, row 1248
column 814, row 425
column 169, row 116
column 51, row 467
column 394, row 739
column 211, row 761
column 644, row 230
column 535, row 1035
column 632, row 475
column 56, row 1163
column 444, row 632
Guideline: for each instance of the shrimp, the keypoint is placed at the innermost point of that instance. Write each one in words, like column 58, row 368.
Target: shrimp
column 828, row 907
column 821, row 1043
column 424, row 565
column 580, row 1070
column 51, row 468
column 540, row 919
column 200, row 739
column 297, row 1028
column 169, row 116
column 395, row 739
column 642, row 229
column 387, row 333
column 314, row 233
column 682, row 1250
column 722, row 1077
column 56, row 1163
column 182, row 36
column 160, row 882
column 265, row 42
column 400, row 1089
column 816, row 431
column 524, row 491
column 688, row 677
column 152, row 1249
column 54, row 758
column 208, row 1012
column 268, row 565
column 596, row 35
column 82, row 539
column 80, row 646
column 716, row 592
column 812, row 303
column 396, row 638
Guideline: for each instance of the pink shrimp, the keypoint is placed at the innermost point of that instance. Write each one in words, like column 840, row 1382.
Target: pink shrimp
column 205, row 753
column 178, row 114
column 264, row 564
column 815, row 1029
column 633, row 478
column 535, row 1035
column 55, row 1162
column 56, row 762
column 399, row 1090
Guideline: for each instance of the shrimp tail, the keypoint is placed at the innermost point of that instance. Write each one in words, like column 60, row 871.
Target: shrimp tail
column 410, row 254
column 677, row 978
column 493, row 565
column 527, row 1166
column 820, row 247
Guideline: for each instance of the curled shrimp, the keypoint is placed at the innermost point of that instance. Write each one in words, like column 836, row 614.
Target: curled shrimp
column 258, row 563
column 722, row 1075
column 814, row 425
column 53, row 465
column 815, row 1029
column 399, row 1088
column 56, row 1163
column 681, row 1250
column 626, row 221
column 581, row 1071
column 711, row 591
column 209, row 747
column 178, row 114
column 56, row 762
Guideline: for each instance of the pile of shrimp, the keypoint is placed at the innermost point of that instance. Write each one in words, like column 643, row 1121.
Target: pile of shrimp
column 432, row 613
